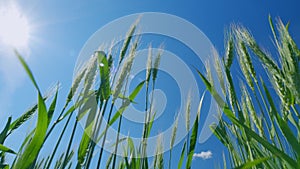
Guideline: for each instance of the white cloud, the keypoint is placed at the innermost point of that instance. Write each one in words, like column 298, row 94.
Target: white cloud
column 204, row 155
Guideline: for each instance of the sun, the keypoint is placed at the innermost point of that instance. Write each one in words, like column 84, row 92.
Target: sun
column 14, row 27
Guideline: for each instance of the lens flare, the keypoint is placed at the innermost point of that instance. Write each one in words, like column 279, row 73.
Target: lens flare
column 15, row 28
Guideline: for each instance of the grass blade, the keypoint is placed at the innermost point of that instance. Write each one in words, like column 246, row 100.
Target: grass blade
column 86, row 137
column 104, row 76
column 283, row 124
column 52, row 107
column 193, row 141
column 32, row 149
column 108, row 162
column 28, row 157
column 28, row 71
column 125, row 104
column 181, row 156
column 249, row 132
column 4, row 132
column 6, row 149
column 253, row 163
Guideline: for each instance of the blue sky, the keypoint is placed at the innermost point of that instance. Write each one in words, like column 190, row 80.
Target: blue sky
column 60, row 30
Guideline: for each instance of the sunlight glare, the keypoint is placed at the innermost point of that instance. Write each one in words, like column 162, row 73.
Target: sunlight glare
column 14, row 27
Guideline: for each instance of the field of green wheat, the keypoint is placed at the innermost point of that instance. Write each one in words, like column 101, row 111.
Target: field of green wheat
column 260, row 125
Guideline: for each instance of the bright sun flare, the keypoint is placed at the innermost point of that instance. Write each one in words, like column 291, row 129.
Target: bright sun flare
column 14, row 27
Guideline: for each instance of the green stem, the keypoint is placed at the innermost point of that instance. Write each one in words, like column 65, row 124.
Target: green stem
column 69, row 145
column 145, row 125
column 116, row 146
column 105, row 133
column 266, row 107
column 170, row 158
column 119, row 128
column 147, row 118
column 59, row 141
column 56, row 121
column 96, row 129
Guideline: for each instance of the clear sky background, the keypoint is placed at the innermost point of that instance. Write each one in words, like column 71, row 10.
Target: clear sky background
column 60, row 29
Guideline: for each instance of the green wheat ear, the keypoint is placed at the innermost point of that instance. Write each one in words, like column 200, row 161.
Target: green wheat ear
column 156, row 63
column 219, row 68
column 158, row 158
column 188, row 112
column 229, row 54
column 174, row 132
column 245, row 65
column 260, row 134
column 128, row 38
column 125, row 70
column 260, row 129
column 149, row 65
column 290, row 58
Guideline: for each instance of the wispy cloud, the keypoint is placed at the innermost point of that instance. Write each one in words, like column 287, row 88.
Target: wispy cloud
column 204, row 155
column 12, row 74
column 12, row 77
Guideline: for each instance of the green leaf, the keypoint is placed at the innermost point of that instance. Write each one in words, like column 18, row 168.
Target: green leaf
column 52, row 107
column 26, row 140
column 83, row 147
column 253, row 163
column 119, row 113
column 3, row 134
column 4, row 166
column 28, row 71
column 32, row 149
column 6, row 149
column 126, row 103
column 104, row 91
column 262, row 153
column 286, row 130
column 193, row 140
column 78, row 104
column 86, row 138
column 126, row 159
column 248, row 131
column 136, row 90
column 28, row 157
column 266, row 144
column 181, row 156
column 69, row 111
column 87, row 103
column 109, row 160
column 149, row 125
column 212, row 91
column 132, row 152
